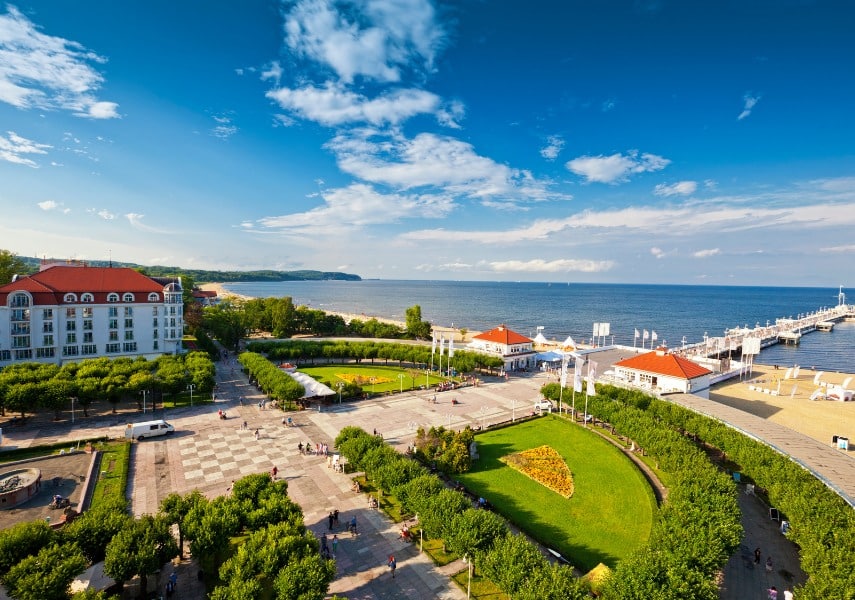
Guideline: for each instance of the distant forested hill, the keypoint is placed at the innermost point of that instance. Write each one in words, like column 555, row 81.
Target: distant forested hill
column 200, row 276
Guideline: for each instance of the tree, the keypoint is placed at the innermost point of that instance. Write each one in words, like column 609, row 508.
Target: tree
column 10, row 265
column 93, row 530
column 47, row 575
column 305, row 579
column 208, row 526
column 474, row 531
column 22, row 540
column 511, row 561
column 175, row 508
column 140, row 548
column 415, row 326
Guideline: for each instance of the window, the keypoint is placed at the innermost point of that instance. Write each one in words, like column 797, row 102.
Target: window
column 129, row 335
column 112, row 297
column 129, row 311
column 20, row 314
column 129, row 323
column 5, row 355
column 154, row 334
column 47, row 327
column 113, row 312
column 20, row 341
column 20, row 329
column 70, row 313
column 87, row 312
column 130, row 347
column 89, row 349
column 153, row 297
column 156, row 346
column 87, row 325
column 45, row 352
column 23, row 354
column 70, row 350
column 128, row 297
column 172, row 321
column 47, row 313
column 20, row 301
column 154, row 311
column 154, row 322
column 112, row 348
column 70, row 298
column 70, row 338
column 87, row 337
column 171, row 310
column 87, row 297
column 71, row 325
column 113, row 324
column 47, row 340
column 114, row 336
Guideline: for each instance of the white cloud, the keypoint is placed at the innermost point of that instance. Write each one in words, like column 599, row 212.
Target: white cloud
column 357, row 206
column 224, row 129
column 52, row 205
column 274, row 72
column 135, row 219
column 658, row 252
column 374, row 39
column 750, row 103
column 48, row 72
column 617, row 167
column 565, row 265
column 433, row 160
column 14, row 147
column 707, row 253
column 554, row 144
column 333, row 105
column 681, row 188
column 844, row 249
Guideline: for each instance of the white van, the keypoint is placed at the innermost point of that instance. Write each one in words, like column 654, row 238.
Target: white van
column 148, row 429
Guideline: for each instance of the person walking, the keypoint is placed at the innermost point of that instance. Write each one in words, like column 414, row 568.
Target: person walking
column 274, row 472
column 393, row 564
column 757, row 555
column 769, row 564
column 330, row 518
column 256, row 434
column 334, row 545
column 788, row 594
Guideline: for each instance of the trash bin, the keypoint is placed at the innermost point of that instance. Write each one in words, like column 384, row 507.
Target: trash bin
column 834, row 440
column 843, row 443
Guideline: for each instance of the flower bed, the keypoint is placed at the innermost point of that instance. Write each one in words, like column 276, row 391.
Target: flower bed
column 545, row 466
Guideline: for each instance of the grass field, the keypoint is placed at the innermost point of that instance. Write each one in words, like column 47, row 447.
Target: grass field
column 610, row 513
column 386, row 378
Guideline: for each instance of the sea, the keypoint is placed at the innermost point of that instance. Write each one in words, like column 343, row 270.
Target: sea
column 679, row 314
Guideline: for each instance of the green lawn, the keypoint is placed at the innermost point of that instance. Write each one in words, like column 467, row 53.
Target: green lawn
column 610, row 513
column 386, row 378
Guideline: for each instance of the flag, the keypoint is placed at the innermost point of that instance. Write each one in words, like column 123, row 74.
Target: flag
column 592, row 377
column 637, row 335
column 577, row 378
column 432, row 343
column 441, row 344
column 653, row 337
column 596, row 330
column 564, row 372
column 646, row 335
column 451, row 348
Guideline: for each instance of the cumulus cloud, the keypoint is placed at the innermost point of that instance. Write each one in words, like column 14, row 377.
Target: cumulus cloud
column 681, row 188
column 430, row 160
column 224, row 129
column 616, row 168
column 750, row 103
column 554, row 144
column 48, row 72
column 706, row 253
column 373, row 39
column 357, row 206
column 658, row 252
column 52, row 205
column 564, row 265
column 844, row 249
column 334, row 105
column 14, row 148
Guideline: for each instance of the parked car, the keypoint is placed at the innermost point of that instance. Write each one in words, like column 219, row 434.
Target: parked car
column 543, row 405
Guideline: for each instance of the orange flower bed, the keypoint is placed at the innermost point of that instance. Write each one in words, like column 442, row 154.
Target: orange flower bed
column 544, row 465
column 361, row 379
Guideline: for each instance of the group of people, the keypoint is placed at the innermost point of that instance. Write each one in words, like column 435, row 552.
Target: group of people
column 319, row 449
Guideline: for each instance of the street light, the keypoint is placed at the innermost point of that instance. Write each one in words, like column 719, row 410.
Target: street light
column 144, row 394
column 191, row 387
column 73, row 398
column 466, row 559
column 401, row 379
column 339, row 385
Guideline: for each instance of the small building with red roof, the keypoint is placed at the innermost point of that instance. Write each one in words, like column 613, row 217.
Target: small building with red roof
column 515, row 349
column 71, row 311
column 664, row 372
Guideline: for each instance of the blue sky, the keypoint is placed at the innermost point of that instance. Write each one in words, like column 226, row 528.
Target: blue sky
column 648, row 141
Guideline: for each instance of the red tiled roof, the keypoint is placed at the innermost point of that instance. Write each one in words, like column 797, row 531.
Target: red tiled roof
column 49, row 286
column 669, row 365
column 204, row 294
column 502, row 335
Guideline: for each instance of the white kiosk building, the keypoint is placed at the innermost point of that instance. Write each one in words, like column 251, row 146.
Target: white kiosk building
column 514, row 348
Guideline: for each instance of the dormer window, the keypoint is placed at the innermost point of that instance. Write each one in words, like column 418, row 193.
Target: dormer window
column 87, row 297
column 112, row 297
column 153, row 297
column 128, row 297
column 70, row 298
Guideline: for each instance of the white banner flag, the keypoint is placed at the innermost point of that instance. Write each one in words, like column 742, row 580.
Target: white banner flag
column 441, row 345
column 564, row 373
column 451, row 348
column 577, row 378
column 605, row 328
column 653, row 336
column 432, row 343
column 596, row 330
column 645, row 335
column 592, row 377
column 637, row 335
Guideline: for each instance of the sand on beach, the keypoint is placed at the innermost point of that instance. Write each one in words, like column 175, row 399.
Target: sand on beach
column 793, row 408
column 445, row 332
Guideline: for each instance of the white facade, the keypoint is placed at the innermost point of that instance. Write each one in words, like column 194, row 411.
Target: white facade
column 60, row 319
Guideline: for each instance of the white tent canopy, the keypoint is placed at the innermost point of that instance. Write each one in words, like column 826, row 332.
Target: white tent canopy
column 92, row 578
column 313, row 387
column 540, row 338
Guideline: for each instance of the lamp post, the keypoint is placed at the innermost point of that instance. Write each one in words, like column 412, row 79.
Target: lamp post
column 73, row 398
column 191, row 387
column 339, row 385
column 144, row 394
column 468, row 560
column 401, row 379
column 373, row 379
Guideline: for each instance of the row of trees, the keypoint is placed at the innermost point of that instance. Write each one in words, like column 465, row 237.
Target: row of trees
column 279, row 553
column 513, row 563
column 446, row 449
column 28, row 387
column 270, row 379
column 416, row 355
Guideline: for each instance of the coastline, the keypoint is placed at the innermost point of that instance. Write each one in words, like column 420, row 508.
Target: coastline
column 446, row 332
